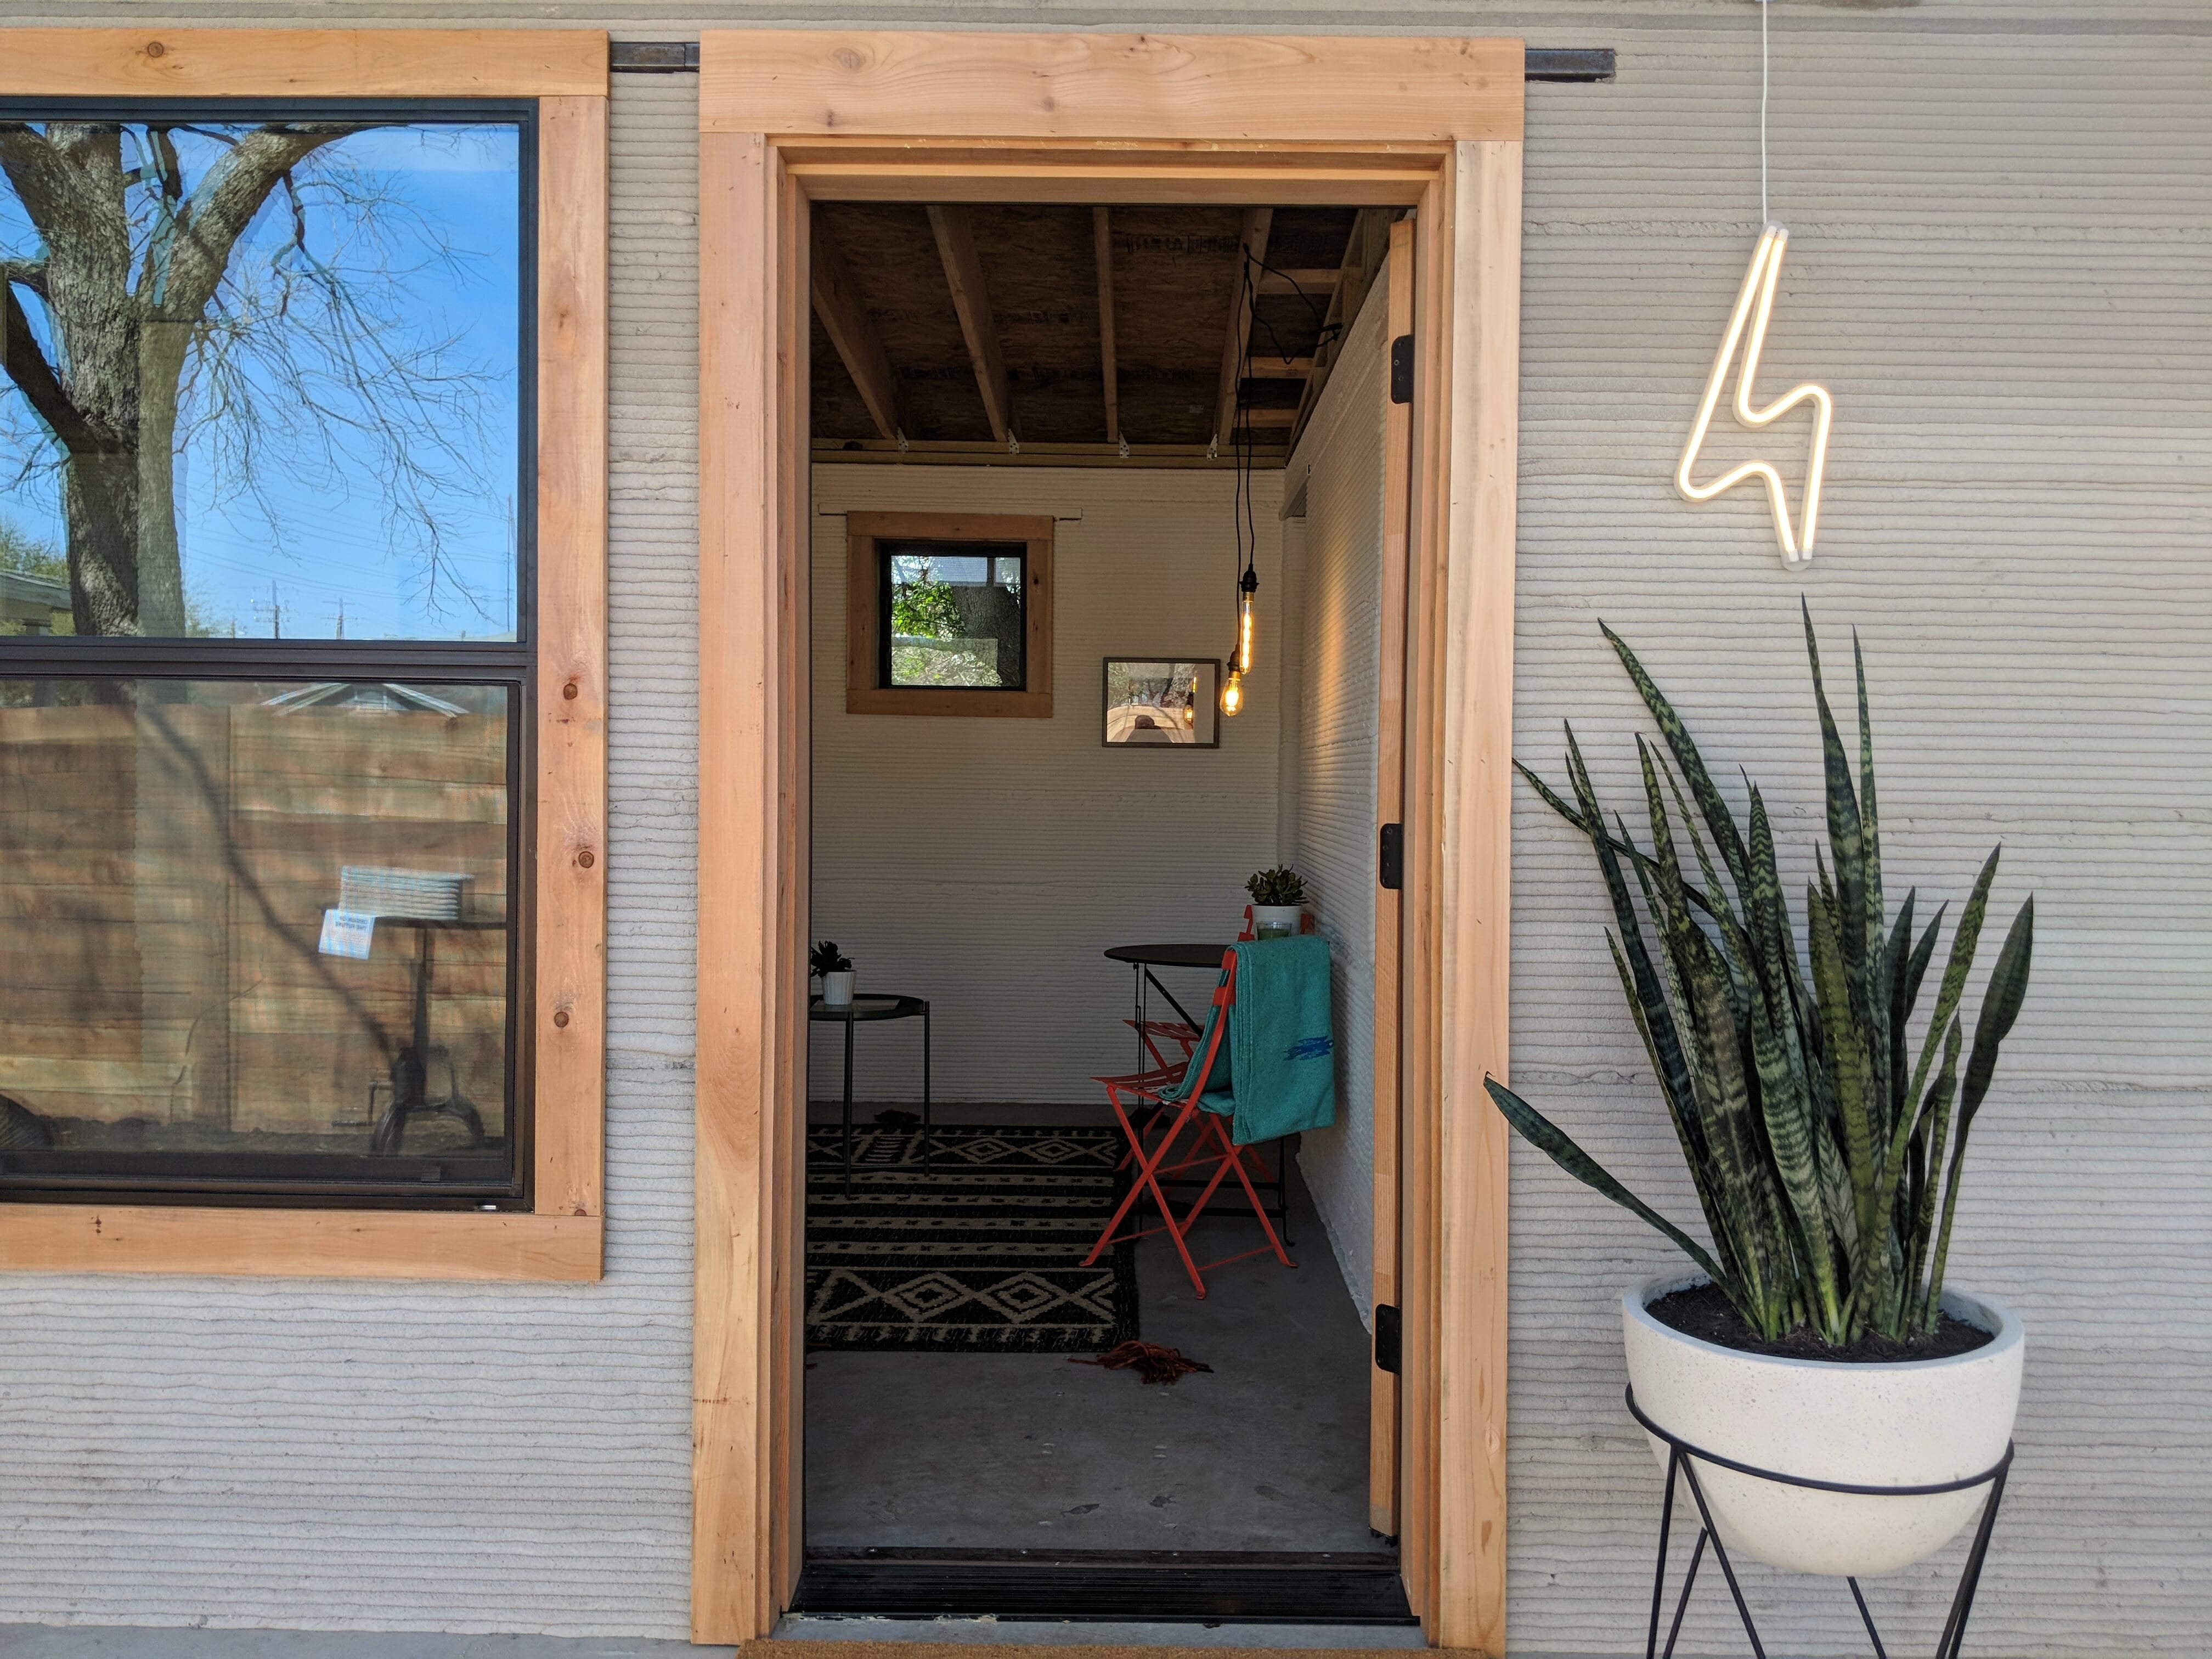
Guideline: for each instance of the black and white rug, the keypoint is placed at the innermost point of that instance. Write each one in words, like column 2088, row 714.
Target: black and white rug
column 981, row 1254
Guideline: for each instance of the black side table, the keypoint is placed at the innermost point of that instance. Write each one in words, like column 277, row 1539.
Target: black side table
column 867, row 1008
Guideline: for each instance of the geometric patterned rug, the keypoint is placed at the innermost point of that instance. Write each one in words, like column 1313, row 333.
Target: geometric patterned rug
column 981, row 1254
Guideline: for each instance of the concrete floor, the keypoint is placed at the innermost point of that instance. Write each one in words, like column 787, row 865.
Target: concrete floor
column 980, row 1451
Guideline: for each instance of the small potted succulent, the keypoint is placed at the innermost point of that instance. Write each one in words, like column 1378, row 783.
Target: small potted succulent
column 834, row 970
column 1277, row 900
column 1817, row 1338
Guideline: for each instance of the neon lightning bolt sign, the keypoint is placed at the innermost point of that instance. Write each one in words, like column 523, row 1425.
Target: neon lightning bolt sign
column 1754, row 304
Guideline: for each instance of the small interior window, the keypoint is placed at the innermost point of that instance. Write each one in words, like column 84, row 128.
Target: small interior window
column 952, row 616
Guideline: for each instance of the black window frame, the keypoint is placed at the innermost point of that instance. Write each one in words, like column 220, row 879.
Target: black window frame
column 511, row 665
column 907, row 547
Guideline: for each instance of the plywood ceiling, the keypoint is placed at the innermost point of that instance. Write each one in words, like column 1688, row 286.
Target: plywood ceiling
column 888, row 316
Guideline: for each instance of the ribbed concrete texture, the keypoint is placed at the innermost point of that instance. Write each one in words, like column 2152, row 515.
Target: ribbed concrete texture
column 2000, row 213
column 1329, row 769
column 94, row 1642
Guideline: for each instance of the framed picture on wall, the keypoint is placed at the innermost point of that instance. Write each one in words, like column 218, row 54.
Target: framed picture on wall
column 1161, row 702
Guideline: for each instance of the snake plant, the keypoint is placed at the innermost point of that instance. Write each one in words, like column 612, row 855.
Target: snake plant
column 1816, row 1130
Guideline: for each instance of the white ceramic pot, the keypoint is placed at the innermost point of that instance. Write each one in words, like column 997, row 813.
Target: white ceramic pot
column 1276, row 920
column 836, row 990
column 1916, row 1424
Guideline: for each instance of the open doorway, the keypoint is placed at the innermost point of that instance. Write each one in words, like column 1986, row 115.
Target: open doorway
column 792, row 120
column 1101, row 626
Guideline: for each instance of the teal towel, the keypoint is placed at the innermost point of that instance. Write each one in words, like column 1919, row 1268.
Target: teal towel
column 1276, row 1072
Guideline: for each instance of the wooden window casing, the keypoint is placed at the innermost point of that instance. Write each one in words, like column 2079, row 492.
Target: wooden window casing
column 791, row 117
column 564, row 1005
column 865, row 692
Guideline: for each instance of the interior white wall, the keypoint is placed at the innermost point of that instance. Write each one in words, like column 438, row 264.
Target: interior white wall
column 986, row 864
column 1330, row 735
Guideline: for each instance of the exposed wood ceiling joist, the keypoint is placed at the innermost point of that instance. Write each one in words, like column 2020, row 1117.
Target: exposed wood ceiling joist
column 1101, row 242
column 1364, row 252
column 1266, row 451
column 1279, row 369
column 1312, row 283
column 971, row 299
column 1253, row 237
column 844, row 314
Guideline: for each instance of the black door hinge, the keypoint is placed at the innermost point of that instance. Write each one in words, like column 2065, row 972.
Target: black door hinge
column 1391, row 857
column 1401, row 369
column 1386, row 1338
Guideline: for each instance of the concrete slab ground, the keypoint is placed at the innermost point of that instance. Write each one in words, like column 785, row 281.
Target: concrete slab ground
column 120, row 1641
column 1022, row 1451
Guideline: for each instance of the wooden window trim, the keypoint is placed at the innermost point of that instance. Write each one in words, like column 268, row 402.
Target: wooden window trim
column 561, row 1236
column 790, row 115
column 864, row 610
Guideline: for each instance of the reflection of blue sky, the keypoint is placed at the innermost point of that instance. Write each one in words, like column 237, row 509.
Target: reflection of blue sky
column 321, row 536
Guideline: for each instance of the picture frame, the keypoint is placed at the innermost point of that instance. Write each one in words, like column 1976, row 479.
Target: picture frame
column 1162, row 701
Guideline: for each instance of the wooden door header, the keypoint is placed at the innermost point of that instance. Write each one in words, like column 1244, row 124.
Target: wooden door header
column 1203, row 88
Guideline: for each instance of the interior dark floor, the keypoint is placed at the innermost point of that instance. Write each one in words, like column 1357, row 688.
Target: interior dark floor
column 1267, row 1451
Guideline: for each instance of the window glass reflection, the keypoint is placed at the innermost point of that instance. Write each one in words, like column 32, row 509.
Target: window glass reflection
column 953, row 616
column 254, row 932
column 261, row 379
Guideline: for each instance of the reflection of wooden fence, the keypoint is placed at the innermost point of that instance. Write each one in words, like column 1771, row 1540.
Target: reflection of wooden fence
column 163, row 873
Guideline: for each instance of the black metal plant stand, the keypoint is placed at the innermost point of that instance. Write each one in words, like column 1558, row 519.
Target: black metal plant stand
column 1682, row 1459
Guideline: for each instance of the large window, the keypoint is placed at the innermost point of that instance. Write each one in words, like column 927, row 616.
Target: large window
column 267, row 506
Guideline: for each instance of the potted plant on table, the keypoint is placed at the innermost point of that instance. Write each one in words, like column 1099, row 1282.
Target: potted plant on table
column 1278, row 899
column 834, row 970
column 1817, row 1338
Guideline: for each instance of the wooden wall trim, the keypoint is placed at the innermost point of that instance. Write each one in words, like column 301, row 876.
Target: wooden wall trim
column 160, row 61
column 738, row 1399
column 1419, row 946
column 753, row 561
column 863, row 603
column 162, row 1238
column 566, row 1011
column 569, row 1012
column 1383, row 1424
column 1200, row 87
column 1476, row 896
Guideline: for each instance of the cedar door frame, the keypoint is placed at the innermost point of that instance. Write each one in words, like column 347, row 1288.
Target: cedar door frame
column 788, row 117
column 865, row 693
column 563, row 1016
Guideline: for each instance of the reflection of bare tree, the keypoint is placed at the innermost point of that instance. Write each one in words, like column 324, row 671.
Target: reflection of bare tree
column 151, row 325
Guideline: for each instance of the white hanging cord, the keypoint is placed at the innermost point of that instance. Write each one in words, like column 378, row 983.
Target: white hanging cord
column 1766, row 217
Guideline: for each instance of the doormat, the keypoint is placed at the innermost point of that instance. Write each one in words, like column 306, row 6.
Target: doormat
column 981, row 1254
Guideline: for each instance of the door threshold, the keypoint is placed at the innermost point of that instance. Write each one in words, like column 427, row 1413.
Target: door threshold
column 1271, row 1587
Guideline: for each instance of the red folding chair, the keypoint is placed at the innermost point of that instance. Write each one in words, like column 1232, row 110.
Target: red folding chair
column 1154, row 1032
column 1151, row 1147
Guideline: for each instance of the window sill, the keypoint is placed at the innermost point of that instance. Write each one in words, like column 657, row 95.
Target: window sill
column 456, row 1244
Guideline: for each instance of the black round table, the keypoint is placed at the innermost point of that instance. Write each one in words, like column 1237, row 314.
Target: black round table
column 868, row 1009
column 1146, row 958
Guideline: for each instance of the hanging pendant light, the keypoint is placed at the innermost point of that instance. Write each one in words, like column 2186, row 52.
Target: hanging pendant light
column 1248, row 584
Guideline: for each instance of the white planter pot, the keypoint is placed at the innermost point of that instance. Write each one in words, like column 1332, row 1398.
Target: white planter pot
column 836, row 990
column 1277, row 921
column 1918, row 1423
